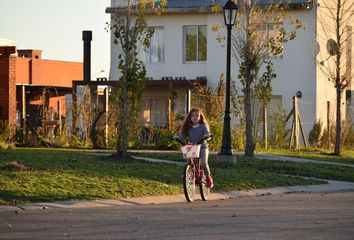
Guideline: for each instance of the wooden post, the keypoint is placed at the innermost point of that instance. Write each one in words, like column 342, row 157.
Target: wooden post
column 74, row 109
column 88, row 112
column 106, row 113
column 291, row 135
column 265, row 127
column 24, row 117
column 169, row 105
column 188, row 101
column 296, row 121
column 302, row 130
column 328, row 123
column 59, row 116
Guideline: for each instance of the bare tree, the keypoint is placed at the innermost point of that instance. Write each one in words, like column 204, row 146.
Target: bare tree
column 335, row 22
column 258, row 37
column 130, row 31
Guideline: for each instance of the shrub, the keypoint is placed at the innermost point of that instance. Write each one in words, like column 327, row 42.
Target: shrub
column 216, row 129
column 349, row 140
column 77, row 142
column 60, row 140
column 239, row 137
column 164, row 139
column 328, row 136
column 277, row 129
column 315, row 134
column 7, row 134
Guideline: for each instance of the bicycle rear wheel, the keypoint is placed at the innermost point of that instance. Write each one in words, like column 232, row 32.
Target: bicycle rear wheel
column 204, row 191
column 189, row 183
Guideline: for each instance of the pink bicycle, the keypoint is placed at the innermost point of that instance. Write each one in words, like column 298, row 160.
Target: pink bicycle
column 193, row 174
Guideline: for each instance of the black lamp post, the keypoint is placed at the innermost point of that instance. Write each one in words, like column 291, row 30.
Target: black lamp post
column 230, row 12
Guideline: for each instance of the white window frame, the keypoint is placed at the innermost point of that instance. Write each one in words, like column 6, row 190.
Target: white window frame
column 147, row 54
column 197, row 47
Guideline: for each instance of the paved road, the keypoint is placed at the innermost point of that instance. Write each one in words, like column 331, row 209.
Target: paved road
column 289, row 216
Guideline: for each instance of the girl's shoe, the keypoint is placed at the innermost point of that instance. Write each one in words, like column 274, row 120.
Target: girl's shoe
column 209, row 182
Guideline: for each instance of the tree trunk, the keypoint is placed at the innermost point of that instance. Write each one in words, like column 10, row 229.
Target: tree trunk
column 337, row 149
column 338, row 84
column 249, row 151
column 122, row 150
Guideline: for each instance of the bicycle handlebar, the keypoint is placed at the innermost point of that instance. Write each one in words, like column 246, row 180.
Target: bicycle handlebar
column 179, row 140
column 207, row 138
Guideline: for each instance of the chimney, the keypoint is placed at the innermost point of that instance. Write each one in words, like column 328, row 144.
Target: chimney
column 87, row 37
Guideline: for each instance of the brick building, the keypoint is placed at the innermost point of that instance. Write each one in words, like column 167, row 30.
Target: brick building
column 24, row 77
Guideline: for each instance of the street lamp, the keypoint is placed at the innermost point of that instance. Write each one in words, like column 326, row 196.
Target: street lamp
column 230, row 12
column 94, row 75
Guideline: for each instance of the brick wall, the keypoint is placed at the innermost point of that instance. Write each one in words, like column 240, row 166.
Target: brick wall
column 29, row 68
column 12, row 90
column 8, row 88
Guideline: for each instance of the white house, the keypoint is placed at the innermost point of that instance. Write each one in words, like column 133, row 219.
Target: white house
column 298, row 69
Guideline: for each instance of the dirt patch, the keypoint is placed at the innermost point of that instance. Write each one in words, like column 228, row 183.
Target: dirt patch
column 15, row 166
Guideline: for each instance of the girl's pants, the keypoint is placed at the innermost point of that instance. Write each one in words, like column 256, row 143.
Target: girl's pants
column 204, row 154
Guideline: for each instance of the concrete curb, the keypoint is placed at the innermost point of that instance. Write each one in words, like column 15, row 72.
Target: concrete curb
column 332, row 186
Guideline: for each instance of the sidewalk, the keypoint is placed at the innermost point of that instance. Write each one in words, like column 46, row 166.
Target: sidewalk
column 332, row 186
column 300, row 160
column 262, row 156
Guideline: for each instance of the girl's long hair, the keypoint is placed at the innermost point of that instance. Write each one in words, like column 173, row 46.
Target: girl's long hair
column 187, row 124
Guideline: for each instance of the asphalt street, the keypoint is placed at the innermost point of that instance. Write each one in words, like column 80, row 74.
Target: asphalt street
column 284, row 216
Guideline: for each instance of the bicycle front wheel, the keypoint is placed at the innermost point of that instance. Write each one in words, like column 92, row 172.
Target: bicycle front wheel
column 204, row 191
column 189, row 183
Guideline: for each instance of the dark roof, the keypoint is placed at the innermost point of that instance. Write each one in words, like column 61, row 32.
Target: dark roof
column 209, row 3
column 288, row 3
column 180, row 6
column 193, row 3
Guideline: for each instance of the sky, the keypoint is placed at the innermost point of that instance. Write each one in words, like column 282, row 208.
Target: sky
column 55, row 27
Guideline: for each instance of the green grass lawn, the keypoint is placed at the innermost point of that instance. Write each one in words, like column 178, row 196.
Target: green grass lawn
column 315, row 154
column 49, row 175
column 329, row 172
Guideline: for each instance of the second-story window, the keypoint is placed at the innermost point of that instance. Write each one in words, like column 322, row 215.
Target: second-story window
column 271, row 35
column 195, row 43
column 155, row 52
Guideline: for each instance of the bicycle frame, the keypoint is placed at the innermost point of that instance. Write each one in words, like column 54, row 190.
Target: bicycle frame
column 197, row 169
column 193, row 173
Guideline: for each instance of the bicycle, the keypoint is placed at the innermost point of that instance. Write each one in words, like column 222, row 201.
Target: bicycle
column 193, row 173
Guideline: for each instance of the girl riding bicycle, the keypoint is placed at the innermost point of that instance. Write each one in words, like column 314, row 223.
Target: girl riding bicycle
column 195, row 127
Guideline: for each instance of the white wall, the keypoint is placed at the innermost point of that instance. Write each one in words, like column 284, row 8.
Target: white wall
column 325, row 89
column 296, row 71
